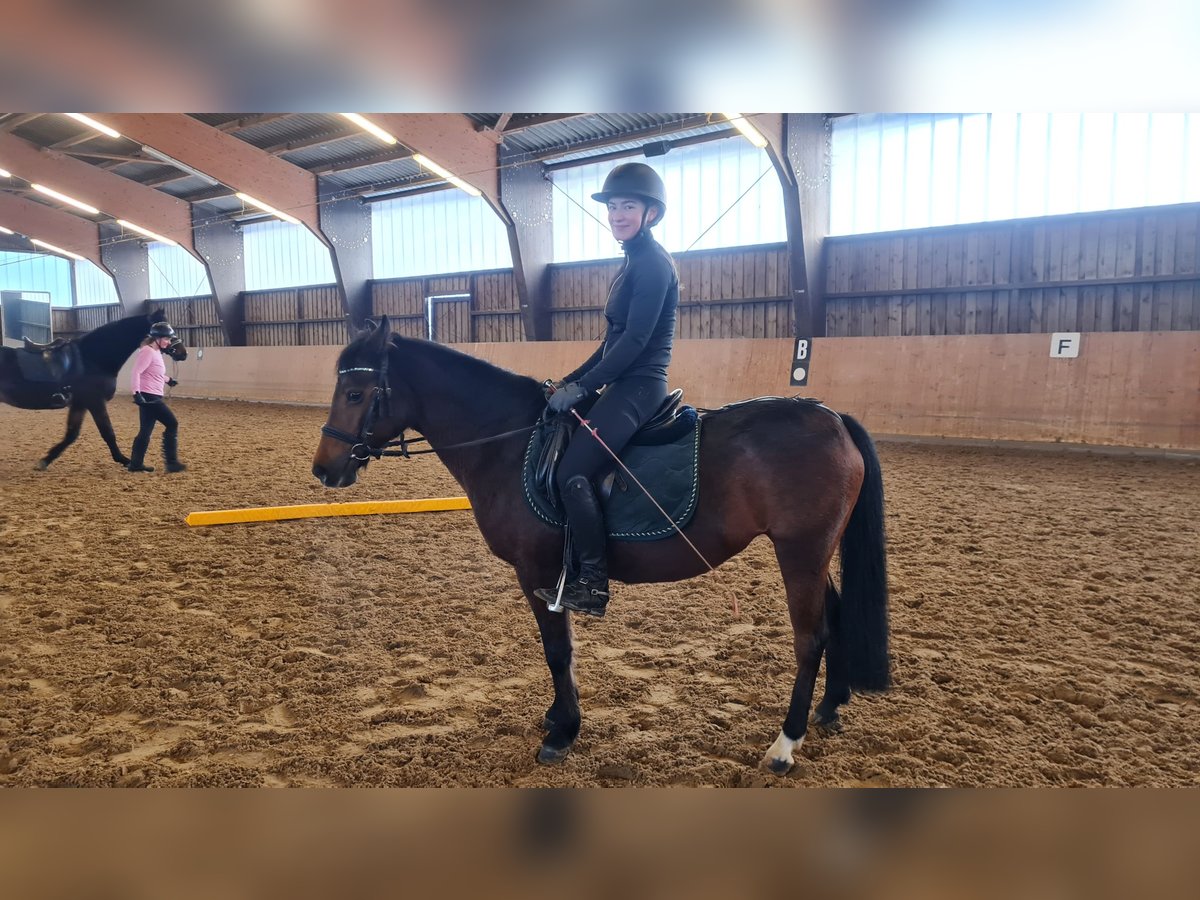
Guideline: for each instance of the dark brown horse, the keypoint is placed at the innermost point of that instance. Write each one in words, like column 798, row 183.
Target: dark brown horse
column 87, row 388
column 799, row 473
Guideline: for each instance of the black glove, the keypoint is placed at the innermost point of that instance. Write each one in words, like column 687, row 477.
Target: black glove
column 138, row 398
column 566, row 397
column 171, row 382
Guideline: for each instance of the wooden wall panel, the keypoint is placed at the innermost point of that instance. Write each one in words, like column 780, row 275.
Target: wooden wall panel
column 303, row 316
column 1121, row 270
column 731, row 293
column 990, row 387
column 74, row 321
column 194, row 319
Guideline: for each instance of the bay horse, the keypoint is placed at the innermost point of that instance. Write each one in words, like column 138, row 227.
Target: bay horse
column 798, row 472
column 102, row 352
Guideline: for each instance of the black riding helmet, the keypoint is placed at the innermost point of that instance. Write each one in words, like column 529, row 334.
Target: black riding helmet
column 161, row 330
column 635, row 180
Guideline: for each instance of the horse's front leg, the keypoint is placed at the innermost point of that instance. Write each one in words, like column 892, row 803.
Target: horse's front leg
column 74, row 423
column 104, row 426
column 562, row 720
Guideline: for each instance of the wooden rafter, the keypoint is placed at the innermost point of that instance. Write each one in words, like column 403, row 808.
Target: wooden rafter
column 233, row 162
column 36, row 220
column 114, row 195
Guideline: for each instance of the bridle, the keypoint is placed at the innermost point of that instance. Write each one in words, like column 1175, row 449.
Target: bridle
column 381, row 395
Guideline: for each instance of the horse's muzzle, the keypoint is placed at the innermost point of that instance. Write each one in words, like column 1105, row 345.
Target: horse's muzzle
column 347, row 477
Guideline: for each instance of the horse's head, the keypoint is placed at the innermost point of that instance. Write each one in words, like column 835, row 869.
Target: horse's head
column 176, row 350
column 365, row 412
column 160, row 327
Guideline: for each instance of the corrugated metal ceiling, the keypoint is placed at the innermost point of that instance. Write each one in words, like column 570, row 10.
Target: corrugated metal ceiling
column 569, row 139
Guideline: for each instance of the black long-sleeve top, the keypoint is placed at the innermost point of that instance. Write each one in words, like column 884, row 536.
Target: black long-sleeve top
column 641, row 308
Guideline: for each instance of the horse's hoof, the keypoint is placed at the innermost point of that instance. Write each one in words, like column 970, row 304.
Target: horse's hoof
column 832, row 725
column 41, row 466
column 548, row 756
column 776, row 766
column 124, row 461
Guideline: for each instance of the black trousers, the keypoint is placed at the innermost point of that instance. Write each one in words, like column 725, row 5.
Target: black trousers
column 148, row 415
column 619, row 412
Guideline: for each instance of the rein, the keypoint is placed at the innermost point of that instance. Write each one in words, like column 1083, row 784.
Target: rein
column 360, row 447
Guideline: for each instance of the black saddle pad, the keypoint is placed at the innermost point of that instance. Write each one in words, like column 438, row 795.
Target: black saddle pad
column 669, row 471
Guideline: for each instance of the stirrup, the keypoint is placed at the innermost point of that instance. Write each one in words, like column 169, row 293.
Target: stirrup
column 553, row 599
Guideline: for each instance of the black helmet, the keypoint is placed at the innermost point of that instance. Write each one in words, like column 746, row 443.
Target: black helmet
column 635, row 180
column 161, row 330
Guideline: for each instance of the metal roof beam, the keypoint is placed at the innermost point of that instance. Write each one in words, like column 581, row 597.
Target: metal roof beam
column 642, row 134
column 797, row 144
column 243, row 122
column 16, row 120
column 315, row 140
column 531, row 122
column 363, row 162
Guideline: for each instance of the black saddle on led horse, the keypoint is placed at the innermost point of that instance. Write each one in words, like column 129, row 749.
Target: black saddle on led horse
column 663, row 455
column 53, row 365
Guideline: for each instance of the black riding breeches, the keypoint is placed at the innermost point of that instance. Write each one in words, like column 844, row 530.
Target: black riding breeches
column 619, row 412
column 148, row 414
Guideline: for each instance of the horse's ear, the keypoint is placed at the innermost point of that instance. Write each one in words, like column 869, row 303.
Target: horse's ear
column 157, row 316
column 379, row 334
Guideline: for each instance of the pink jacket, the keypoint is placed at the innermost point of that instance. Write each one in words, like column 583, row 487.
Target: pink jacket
column 149, row 371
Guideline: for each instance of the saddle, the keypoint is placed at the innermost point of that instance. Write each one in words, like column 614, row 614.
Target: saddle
column 54, row 365
column 663, row 455
column 35, row 347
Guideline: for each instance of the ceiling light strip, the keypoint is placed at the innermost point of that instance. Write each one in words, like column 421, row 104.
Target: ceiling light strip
column 369, row 126
column 742, row 124
column 50, row 192
column 147, row 232
column 429, row 164
column 246, row 198
column 92, row 123
column 59, row 250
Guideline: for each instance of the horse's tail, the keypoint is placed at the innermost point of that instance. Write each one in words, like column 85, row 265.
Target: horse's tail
column 861, row 629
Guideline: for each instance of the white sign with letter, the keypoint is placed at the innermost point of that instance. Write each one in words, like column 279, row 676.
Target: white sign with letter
column 1064, row 345
column 801, row 361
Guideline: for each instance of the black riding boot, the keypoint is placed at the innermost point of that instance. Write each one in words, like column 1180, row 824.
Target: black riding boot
column 589, row 592
column 171, row 450
column 137, row 456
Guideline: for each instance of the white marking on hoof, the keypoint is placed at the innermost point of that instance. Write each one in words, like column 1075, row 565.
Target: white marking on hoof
column 779, row 755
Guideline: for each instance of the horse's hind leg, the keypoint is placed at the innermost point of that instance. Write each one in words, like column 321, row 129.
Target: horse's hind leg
column 104, row 426
column 562, row 719
column 805, row 581
column 74, row 422
column 837, row 686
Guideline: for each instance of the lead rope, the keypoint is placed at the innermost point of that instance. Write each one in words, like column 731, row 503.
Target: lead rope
column 596, row 434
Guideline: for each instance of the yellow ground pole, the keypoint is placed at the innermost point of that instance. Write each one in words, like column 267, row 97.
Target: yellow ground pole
column 317, row 510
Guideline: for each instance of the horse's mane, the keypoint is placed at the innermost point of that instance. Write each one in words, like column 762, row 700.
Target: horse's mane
column 108, row 346
column 493, row 384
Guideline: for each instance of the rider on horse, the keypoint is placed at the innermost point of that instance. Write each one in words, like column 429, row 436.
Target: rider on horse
column 630, row 366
